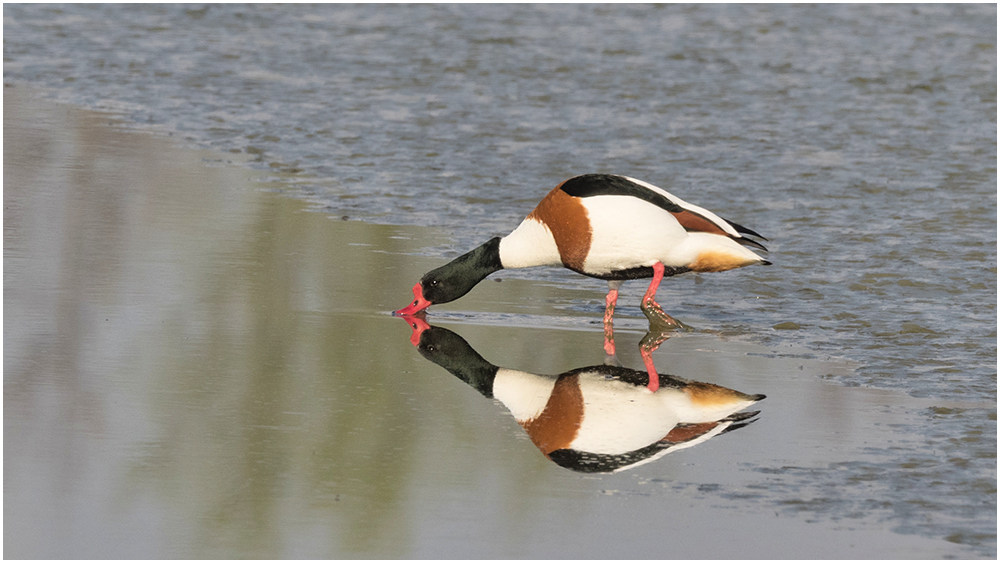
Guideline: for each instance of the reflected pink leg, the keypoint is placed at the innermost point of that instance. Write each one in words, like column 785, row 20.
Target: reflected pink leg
column 654, row 378
column 609, row 313
column 650, row 343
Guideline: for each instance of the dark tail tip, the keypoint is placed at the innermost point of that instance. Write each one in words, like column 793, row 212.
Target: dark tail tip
column 743, row 230
column 750, row 242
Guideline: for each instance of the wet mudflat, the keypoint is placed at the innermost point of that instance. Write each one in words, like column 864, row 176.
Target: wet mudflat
column 197, row 367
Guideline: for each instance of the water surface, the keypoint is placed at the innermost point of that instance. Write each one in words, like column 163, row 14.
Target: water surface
column 210, row 370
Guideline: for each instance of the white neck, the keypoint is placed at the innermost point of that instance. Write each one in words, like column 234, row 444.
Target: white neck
column 530, row 244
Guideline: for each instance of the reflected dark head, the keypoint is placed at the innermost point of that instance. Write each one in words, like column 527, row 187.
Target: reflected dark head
column 437, row 344
column 453, row 353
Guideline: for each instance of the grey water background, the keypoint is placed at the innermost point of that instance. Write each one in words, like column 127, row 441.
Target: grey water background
column 860, row 139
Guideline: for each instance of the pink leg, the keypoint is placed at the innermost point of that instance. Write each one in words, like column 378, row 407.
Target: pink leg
column 609, row 313
column 657, row 318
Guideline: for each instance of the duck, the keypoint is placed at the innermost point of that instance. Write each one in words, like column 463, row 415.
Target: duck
column 594, row 419
column 606, row 226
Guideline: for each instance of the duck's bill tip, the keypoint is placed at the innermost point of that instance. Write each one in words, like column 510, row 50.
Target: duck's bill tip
column 407, row 311
column 417, row 305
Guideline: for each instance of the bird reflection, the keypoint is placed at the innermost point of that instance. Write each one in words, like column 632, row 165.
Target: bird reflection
column 596, row 419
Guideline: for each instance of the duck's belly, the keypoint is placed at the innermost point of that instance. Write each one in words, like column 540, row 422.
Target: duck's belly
column 628, row 236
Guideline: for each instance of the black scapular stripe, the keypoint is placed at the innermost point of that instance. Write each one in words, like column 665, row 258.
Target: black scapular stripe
column 590, row 185
column 588, row 462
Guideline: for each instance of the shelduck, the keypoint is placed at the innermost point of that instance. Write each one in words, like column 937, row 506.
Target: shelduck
column 596, row 419
column 610, row 227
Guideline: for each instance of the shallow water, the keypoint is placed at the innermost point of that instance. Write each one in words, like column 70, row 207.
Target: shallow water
column 196, row 368
column 860, row 139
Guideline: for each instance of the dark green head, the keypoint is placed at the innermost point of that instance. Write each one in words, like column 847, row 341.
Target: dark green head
column 454, row 279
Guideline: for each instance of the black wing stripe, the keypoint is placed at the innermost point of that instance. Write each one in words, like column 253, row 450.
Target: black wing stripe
column 590, row 185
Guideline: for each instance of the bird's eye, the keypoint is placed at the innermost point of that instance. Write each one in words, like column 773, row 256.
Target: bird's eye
column 434, row 282
column 431, row 348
